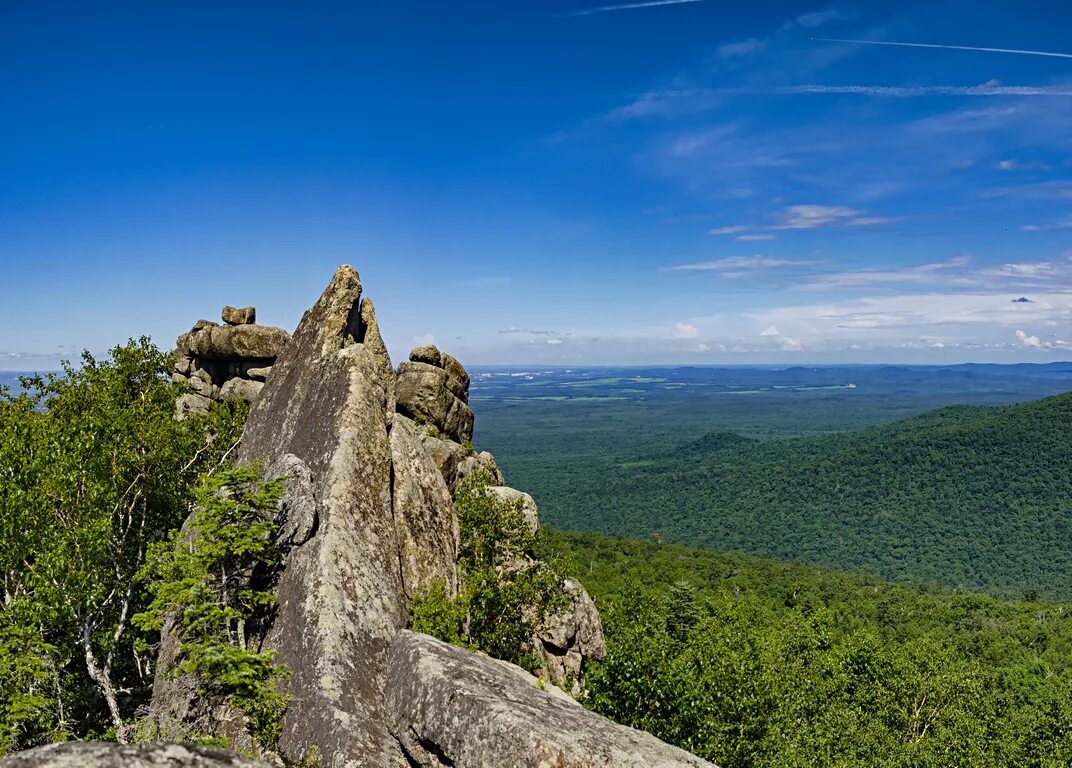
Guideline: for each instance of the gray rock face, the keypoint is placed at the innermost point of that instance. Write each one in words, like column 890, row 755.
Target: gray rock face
column 191, row 403
column 235, row 316
column 340, row 597
column 567, row 642
column 432, row 394
column 523, row 500
column 423, row 512
column 233, row 342
column 83, row 754
column 451, row 707
column 447, row 455
column 484, row 461
column 236, row 390
column 227, row 363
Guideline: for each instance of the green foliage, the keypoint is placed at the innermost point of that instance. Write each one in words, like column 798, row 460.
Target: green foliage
column 434, row 612
column 505, row 589
column 795, row 665
column 205, row 575
column 969, row 497
column 93, row 469
column 682, row 610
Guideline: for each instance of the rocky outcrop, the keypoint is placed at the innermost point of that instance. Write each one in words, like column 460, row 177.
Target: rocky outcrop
column 225, row 363
column 341, row 598
column 88, row 754
column 523, row 501
column 569, row 640
column 451, row 707
column 428, row 394
column 423, row 512
column 370, row 457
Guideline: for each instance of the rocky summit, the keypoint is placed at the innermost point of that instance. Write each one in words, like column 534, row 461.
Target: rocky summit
column 370, row 456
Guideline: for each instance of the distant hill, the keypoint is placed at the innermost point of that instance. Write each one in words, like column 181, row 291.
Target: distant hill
column 976, row 497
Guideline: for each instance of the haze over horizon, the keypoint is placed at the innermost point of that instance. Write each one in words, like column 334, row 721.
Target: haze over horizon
column 556, row 183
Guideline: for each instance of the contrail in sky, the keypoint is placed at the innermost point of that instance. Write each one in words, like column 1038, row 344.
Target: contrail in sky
column 949, row 47
column 648, row 4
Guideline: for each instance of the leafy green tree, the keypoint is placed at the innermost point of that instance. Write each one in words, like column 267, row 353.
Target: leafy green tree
column 205, row 576
column 682, row 611
column 93, row 469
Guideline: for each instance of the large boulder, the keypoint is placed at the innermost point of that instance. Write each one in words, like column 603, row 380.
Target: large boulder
column 457, row 377
column 423, row 512
column 422, row 395
column 323, row 416
column 226, row 363
column 452, row 707
column 239, row 316
column 89, row 754
column 236, row 390
column 232, row 342
column 447, row 455
column 523, row 501
column 567, row 641
column 340, row 597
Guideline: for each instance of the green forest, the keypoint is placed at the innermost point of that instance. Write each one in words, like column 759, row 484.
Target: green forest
column 753, row 662
column 967, row 496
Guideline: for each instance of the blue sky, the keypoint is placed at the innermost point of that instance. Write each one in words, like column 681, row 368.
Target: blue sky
column 544, row 182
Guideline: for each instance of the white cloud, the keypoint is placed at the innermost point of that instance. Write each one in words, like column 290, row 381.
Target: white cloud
column 555, row 341
column 1028, row 341
column 424, row 339
column 743, row 48
column 809, row 216
column 1007, row 165
column 889, row 319
column 792, row 345
column 739, row 263
column 701, row 347
column 628, row 6
column 752, row 238
column 947, row 271
column 812, row 216
column 770, row 330
column 685, row 331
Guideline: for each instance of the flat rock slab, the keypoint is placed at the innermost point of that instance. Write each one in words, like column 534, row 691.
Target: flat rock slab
column 89, row 754
column 451, row 707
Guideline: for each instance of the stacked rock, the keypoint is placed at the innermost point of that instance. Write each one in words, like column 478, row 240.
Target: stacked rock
column 433, row 388
column 432, row 392
column 225, row 363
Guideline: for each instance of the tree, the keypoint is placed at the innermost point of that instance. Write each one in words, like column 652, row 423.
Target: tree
column 94, row 469
column 205, row 576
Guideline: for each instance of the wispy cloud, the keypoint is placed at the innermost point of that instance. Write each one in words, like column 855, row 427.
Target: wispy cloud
column 679, row 101
column 741, row 48
column 903, row 92
column 807, row 217
column 531, row 331
column 685, row 331
column 945, row 271
column 949, row 47
column 740, row 263
column 627, row 7
column 959, row 272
